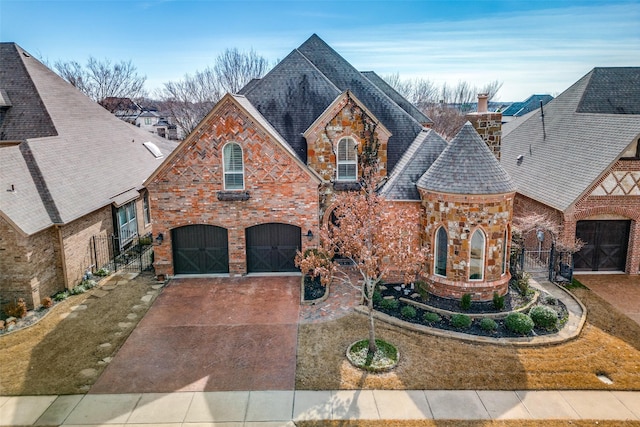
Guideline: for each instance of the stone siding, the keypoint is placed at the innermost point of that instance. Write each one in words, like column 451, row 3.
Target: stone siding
column 186, row 190
column 489, row 127
column 462, row 215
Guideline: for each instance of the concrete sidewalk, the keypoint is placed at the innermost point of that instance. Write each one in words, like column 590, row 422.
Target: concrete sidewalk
column 282, row 408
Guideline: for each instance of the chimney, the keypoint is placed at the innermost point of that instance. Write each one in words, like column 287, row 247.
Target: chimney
column 483, row 100
column 488, row 124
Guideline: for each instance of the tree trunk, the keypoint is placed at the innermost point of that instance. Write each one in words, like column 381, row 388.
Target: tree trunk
column 372, row 332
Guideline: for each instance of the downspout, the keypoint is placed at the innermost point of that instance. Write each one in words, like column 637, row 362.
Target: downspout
column 63, row 258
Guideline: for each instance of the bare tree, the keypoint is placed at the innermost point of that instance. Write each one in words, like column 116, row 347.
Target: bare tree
column 189, row 100
column 234, row 69
column 103, row 79
column 447, row 120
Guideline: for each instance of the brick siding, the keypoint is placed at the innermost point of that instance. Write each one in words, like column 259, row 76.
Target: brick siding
column 186, row 190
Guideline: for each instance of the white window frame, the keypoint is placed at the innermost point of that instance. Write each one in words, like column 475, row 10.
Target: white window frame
column 436, row 258
column 347, row 161
column 145, row 209
column 475, row 260
column 234, row 172
column 128, row 229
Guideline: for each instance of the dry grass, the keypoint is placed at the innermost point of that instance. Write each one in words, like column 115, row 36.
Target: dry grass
column 609, row 343
column 47, row 357
column 461, row 423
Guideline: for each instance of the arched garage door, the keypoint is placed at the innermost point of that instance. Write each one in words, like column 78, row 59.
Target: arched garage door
column 272, row 247
column 200, row 249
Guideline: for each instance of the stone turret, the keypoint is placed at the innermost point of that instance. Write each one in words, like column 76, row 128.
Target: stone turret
column 467, row 200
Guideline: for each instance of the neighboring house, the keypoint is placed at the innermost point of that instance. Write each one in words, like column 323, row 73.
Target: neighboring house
column 253, row 183
column 580, row 166
column 519, row 109
column 69, row 170
column 154, row 122
column 123, row 108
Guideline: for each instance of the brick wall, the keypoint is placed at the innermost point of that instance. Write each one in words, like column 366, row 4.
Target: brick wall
column 29, row 265
column 461, row 216
column 76, row 238
column 186, row 190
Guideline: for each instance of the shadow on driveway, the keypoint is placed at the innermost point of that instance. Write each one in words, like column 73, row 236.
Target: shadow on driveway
column 214, row 334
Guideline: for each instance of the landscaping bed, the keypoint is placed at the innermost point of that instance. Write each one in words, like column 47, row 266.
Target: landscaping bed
column 396, row 301
column 313, row 289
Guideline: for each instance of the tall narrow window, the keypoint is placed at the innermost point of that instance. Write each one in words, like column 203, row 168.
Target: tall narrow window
column 233, row 167
column 145, row 209
column 441, row 252
column 504, row 252
column 347, row 160
column 476, row 262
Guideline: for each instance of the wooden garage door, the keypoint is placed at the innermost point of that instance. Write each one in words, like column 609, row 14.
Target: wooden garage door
column 606, row 245
column 200, row 249
column 272, row 247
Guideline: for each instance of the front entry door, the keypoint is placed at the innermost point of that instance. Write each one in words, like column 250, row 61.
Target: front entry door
column 606, row 245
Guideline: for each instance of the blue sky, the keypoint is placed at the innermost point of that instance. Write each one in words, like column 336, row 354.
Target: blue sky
column 535, row 46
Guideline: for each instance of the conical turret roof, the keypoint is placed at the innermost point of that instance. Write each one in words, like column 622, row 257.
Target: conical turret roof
column 467, row 166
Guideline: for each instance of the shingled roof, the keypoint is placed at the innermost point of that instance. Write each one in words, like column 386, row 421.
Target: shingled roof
column 420, row 155
column 71, row 156
column 301, row 87
column 467, row 166
column 587, row 128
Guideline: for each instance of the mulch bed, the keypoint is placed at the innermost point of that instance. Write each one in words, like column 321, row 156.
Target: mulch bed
column 513, row 300
column 313, row 289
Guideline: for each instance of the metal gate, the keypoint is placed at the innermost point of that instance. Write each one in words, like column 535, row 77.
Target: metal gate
column 134, row 255
column 556, row 265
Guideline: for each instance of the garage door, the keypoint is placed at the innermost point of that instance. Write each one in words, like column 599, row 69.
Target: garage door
column 200, row 249
column 606, row 245
column 272, row 247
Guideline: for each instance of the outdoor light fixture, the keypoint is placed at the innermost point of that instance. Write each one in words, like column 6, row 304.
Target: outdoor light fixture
column 160, row 238
column 309, row 235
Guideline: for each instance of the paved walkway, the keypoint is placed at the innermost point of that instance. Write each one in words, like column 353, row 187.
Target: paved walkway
column 283, row 408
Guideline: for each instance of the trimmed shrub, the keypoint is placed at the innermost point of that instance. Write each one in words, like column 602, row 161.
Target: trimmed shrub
column 543, row 316
column 498, row 301
column 422, row 288
column 431, row 317
column 47, row 302
column 551, row 300
column 60, row 296
column 465, row 302
column 522, row 283
column 377, row 297
column 409, row 312
column 460, row 321
column 16, row 309
column 519, row 323
column 389, row 304
column 488, row 324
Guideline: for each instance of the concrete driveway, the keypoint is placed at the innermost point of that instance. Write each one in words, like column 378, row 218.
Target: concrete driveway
column 210, row 335
column 620, row 290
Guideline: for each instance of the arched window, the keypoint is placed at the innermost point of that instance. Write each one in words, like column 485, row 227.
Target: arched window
column 233, row 167
column 504, row 252
column 476, row 261
column 347, row 160
column 441, row 252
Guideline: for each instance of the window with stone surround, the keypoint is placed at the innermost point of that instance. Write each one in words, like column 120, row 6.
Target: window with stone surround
column 440, row 262
column 347, row 160
column 476, row 261
column 233, row 167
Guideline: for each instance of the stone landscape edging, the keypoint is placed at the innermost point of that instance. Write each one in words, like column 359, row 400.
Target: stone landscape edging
column 498, row 315
column 560, row 337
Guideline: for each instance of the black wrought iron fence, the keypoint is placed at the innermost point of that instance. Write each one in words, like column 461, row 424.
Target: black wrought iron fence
column 557, row 265
column 112, row 253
